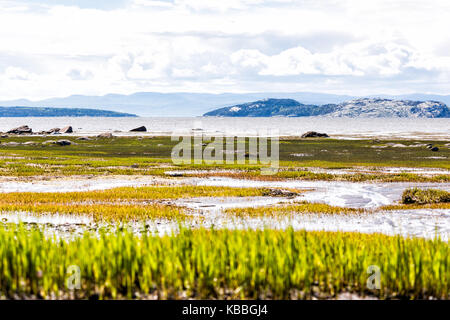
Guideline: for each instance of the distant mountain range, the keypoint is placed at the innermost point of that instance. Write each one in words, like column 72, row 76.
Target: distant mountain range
column 58, row 112
column 364, row 107
column 194, row 104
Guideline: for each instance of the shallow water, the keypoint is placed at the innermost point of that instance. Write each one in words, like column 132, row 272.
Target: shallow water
column 336, row 127
column 408, row 223
column 421, row 223
column 208, row 205
column 336, row 193
column 79, row 184
column 424, row 223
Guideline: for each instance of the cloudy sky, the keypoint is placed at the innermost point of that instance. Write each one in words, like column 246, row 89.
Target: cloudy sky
column 62, row 47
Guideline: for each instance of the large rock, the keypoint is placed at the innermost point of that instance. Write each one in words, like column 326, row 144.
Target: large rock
column 63, row 143
column 48, row 142
column 30, row 143
column 139, row 129
column 67, row 129
column 84, row 139
column 21, row 130
column 314, row 134
column 105, row 135
column 53, row 131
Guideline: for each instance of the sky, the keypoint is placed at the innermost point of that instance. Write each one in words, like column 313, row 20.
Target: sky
column 57, row 48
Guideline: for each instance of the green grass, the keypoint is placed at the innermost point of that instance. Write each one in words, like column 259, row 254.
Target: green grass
column 425, row 196
column 151, row 156
column 345, row 153
column 201, row 264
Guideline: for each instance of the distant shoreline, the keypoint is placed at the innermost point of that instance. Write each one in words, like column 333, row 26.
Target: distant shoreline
column 43, row 112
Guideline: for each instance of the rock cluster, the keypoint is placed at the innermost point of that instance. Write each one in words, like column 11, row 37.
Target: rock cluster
column 21, row 130
column 27, row 130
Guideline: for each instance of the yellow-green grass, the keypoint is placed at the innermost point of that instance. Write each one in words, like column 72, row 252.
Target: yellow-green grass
column 119, row 204
column 104, row 212
column 416, row 198
column 291, row 210
column 131, row 194
column 416, row 206
column 312, row 176
column 425, row 196
column 203, row 264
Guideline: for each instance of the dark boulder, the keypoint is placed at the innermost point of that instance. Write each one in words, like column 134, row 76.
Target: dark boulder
column 84, row 139
column 139, row 129
column 21, row 130
column 12, row 143
column 105, row 135
column 63, row 143
column 67, row 129
column 30, row 143
column 314, row 134
column 279, row 193
column 48, row 142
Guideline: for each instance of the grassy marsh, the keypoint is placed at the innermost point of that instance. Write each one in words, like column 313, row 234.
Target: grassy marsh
column 204, row 263
column 151, row 156
column 312, row 176
column 118, row 204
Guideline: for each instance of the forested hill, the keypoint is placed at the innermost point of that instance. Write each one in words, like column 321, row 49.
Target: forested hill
column 58, row 112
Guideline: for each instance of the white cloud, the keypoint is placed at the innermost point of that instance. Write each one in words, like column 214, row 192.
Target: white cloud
column 14, row 73
column 151, row 3
column 76, row 74
column 361, row 59
column 215, row 45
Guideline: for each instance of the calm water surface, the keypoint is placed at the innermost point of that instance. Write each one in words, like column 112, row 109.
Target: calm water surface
column 337, row 127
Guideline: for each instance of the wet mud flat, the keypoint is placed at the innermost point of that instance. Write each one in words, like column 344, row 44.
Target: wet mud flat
column 210, row 211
